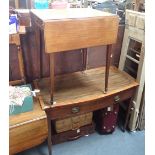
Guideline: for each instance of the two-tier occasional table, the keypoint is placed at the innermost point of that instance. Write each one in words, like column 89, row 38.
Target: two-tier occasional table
column 78, row 93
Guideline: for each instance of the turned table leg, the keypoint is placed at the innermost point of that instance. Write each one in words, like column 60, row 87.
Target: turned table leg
column 84, row 58
column 49, row 134
column 21, row 64
column 52, row 76
column 108, row 60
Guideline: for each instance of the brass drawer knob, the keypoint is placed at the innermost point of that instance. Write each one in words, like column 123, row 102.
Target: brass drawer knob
column 75, row 110
column 116, row 98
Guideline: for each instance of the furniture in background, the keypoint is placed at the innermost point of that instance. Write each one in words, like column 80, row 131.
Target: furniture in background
column 30, row 128
column 21, row 4
column 139, row 5
column 14, row 39
column 132, row 59
column 80, row 92
column 27, row 129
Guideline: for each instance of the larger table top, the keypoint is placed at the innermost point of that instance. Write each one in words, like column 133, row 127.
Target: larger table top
column 85, row 86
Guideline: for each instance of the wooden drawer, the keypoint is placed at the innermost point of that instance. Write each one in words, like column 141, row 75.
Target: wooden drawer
column 27, row 129
column 83, row 107
column 73, row 134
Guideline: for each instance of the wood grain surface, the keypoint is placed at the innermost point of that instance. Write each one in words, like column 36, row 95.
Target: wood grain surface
column 27, row 136
column 84, row 86
column 70, row 29
column 82, row 33
column 27, row 129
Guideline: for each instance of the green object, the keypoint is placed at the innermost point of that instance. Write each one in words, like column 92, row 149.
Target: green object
column 27, row 105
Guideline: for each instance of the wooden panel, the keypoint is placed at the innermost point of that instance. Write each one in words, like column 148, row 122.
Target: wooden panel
column 13, row 63
column 71, row 30
column 116, row 50
column 66, row 62
column 28, row 48
column 16, row 67
column 27, row 129
column 75, row 34
column 27, row 136
column 96, row 55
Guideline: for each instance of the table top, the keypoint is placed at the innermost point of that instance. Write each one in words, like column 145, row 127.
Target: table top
column 75, row 28
column 85, row 86
column 69, row 13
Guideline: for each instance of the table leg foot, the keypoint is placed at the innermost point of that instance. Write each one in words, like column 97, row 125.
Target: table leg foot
column 105, row 92
column 49, row 135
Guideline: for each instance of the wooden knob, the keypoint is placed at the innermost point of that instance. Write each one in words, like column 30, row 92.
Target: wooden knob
column 116, row 98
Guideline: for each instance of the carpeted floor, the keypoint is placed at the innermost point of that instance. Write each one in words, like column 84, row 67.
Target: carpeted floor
column 118, row 143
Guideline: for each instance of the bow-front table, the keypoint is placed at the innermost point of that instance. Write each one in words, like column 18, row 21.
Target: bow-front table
column 77, row 93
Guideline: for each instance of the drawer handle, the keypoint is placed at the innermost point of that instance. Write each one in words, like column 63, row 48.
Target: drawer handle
column 116, row 98
column 75, row 110
column 74, row 138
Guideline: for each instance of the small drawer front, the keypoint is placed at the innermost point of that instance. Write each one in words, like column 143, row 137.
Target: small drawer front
column 85, row 107
column 73, row 123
